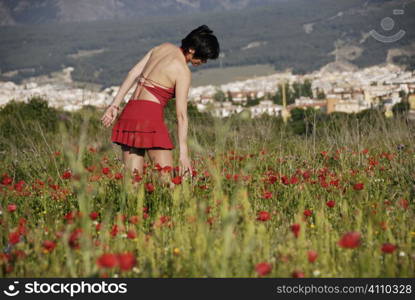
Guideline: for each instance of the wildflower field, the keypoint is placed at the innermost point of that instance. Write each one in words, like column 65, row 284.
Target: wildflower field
column 337, row 201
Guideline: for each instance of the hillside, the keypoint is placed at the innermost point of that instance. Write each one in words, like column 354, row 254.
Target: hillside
column 298, row 34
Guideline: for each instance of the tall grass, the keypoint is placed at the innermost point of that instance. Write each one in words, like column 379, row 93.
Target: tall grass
column 211, row 225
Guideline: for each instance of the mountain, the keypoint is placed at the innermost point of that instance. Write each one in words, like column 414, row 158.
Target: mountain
column 14, row 12
column 302, row 35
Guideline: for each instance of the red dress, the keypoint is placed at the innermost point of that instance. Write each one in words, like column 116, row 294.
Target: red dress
column 141, row 122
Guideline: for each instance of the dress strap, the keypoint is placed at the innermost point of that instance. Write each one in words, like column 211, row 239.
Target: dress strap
column 153, row 81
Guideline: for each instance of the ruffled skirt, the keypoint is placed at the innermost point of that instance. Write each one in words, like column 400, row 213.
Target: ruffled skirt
column 141, row 125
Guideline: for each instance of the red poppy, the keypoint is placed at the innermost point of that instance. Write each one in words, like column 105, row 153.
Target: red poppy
column 6, row 180
column 114, row 230
column 177, row 180
column 74, row 238
column 267, row 195
column 312, row 256
column 263, row 216
column 388, row 248
column 358, row 186
column 297, row 274
column 134, row 220
column 19, row 185
column 126, row 261
column 66, row 175
column 295, row 228
column 272, row 179
column 11, row 207
column 49, row 245
column 308, row 213
column 167, row 169
column 118, row 176
column 263, row 268
column 350, row 240
column 149, row 187
column 404, row 203
column 285, row 180
column 106, row 171
column 137, row 178
column 164, row 219
column 94, row 215
column 131, row 234
column 14, row 237
column 294, row 180
column 330, row 203
column 107, row 260
column 90, row 168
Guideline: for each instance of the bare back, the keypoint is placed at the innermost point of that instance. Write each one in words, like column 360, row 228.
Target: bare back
column 161, row 69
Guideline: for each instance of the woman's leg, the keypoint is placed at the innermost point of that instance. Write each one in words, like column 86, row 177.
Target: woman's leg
column 133, row 159
column 163, row 157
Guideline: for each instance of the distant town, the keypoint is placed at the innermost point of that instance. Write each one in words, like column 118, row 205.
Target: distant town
column 328, row 91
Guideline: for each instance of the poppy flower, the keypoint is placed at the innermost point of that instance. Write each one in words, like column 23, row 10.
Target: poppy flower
column 74, row 238
column 312, row 256
column 131, row 234
column 6, row 180
column 177, row 180
column 358, row 186
column 11, row 207
column 297, row 274
column 272, row 179
column 94, row 215
column 107, row 260
column 350, row 240
column 66, row 175
column 330, row 203
column 19, row 185
column 134, row 220
column 263, row 216
column 114, row 230
column 149, row 187
column 48, row 246
column 118, row 176
column 263, row 268
column 267, row 195
column 388, row 248
column 126, row 261
column 137, row 178
column 14, row 237
column 106, row 171
column 308, row 213
column 295, row 229
column 306, row 175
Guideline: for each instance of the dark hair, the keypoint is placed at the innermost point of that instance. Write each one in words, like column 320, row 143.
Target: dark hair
column 204, row 43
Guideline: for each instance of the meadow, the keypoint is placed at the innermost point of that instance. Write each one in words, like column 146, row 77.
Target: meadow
column 263, row 200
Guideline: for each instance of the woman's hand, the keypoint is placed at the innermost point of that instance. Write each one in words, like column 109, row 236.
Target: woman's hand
column 185, row 167
column 110, row 115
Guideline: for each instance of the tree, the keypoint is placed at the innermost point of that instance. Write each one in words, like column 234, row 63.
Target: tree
column 219, row 96
column 307, row 90
column 230, row 98
column 400, row 108
column 320, row 94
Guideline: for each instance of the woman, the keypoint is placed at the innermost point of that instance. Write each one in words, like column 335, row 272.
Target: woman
column 162, row 74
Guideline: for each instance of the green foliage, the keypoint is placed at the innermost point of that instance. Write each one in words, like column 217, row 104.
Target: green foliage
column 219, row 96
column 21, row 119
column 401, row 108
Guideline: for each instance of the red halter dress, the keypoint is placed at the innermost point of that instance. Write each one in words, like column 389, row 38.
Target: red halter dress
column 141, row 122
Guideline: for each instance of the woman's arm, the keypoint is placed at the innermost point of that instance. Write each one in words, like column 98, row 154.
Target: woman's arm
column 130, row 79
column 182, row 90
